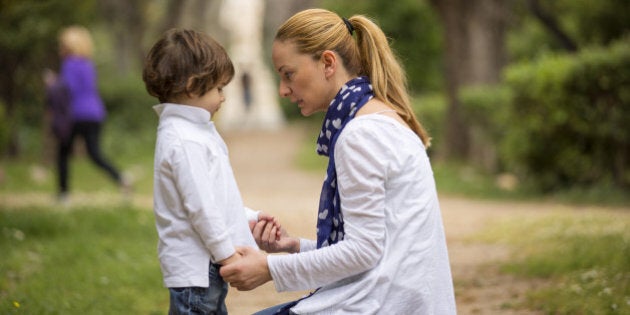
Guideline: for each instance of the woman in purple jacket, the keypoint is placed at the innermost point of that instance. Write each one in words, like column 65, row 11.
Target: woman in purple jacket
column 86, row 106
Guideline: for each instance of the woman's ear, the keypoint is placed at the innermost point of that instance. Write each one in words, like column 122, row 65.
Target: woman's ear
column 329, row 59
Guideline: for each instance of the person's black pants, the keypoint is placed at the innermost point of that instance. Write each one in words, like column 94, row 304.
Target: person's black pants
column 90, row 131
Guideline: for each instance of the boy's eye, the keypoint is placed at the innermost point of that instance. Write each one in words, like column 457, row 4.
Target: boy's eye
column 288, row 75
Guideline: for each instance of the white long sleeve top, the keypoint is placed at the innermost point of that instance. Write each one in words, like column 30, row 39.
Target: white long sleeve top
column 198, row 208
column 394, row 258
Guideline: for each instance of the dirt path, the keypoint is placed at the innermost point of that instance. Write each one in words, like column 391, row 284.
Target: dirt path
column 264, row 168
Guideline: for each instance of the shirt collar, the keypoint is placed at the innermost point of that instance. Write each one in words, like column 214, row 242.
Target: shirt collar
column 190, row 113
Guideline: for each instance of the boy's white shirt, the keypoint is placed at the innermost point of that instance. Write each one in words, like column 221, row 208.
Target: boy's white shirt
column 200, row 216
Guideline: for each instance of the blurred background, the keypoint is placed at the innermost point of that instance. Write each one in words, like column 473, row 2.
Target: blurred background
column 526, row 100
column 532, row 91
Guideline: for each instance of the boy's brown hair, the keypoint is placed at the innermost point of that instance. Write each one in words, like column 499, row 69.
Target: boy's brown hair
column 185, row 62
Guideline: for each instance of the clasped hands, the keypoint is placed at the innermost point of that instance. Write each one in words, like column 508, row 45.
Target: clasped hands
column 247, row 269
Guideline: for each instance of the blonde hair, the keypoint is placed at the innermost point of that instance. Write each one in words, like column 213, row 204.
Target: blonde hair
column 315, row 30
column 76, row 40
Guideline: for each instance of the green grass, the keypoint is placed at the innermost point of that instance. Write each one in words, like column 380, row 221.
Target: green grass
column 79, row 261
column 96, row 255
column 583, row 257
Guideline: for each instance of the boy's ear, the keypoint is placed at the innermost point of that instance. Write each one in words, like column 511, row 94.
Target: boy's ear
column 189, row 84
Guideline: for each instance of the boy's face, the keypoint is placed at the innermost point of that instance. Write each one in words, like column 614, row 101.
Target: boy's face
column 210, row 101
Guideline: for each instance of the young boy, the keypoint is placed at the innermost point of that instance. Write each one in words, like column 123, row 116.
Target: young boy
column 200, row 217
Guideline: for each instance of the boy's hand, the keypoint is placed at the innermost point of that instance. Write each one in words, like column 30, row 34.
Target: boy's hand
column 272, row 238
column 269, row 218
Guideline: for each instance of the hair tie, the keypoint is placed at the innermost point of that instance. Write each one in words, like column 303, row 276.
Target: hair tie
column 348, row 25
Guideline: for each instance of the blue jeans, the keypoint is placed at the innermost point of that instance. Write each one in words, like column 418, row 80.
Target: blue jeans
column 198, row 300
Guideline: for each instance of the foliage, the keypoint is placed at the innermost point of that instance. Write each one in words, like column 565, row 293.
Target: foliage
column 100, row 261
column 430, row 109
column 413, row 28
column 583, row 256
column 596, row 22
column 487, row 106
column 568, row 118
column 586, row 22
column 128, row 102
column 485, row 110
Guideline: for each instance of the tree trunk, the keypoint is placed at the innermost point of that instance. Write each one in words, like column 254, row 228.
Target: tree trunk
column 474, row 55
column 127, row 23
column 8, row 90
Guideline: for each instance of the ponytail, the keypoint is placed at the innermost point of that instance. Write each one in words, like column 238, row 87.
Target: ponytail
column 388, row 78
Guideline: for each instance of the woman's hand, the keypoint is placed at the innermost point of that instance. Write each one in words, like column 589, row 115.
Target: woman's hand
column 272, row 238
column 232, row 259
column 248, row 272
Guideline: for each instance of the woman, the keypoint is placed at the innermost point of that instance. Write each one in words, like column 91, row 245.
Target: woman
column 87, row 111
column 380, row 245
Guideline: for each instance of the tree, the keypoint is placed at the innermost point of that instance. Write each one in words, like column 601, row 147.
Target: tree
column 127, row 24
column 551, row 23
column 474, row 54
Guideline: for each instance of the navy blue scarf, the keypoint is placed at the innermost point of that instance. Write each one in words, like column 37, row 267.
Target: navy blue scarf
column 352, row 96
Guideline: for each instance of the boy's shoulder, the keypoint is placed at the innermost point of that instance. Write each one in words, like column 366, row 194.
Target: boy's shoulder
column 185, row 130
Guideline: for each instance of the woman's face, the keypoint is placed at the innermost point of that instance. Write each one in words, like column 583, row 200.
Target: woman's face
column 302, row 79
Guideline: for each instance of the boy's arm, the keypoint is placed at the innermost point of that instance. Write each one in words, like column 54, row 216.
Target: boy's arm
column 195, row 180
column 252, row 215
column 232, row 259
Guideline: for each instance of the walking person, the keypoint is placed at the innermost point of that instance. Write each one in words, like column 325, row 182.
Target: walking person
column 87, row 111
column 380, row 246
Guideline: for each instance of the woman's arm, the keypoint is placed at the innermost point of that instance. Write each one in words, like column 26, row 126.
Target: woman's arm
column 361, row 163
column 361, row 173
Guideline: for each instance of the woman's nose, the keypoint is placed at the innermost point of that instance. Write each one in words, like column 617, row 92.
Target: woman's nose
column 284, row 90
